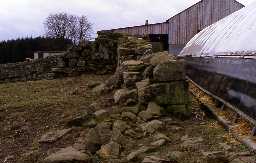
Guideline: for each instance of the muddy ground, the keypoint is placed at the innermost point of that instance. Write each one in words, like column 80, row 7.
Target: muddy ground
column 30, row 109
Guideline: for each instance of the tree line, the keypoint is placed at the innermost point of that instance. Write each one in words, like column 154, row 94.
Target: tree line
column 61, row 31
column 13, row 51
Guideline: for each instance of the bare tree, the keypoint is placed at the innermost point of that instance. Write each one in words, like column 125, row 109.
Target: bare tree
column 57, row 25
column 84, row 28
column 66, row 26
column 72, row 28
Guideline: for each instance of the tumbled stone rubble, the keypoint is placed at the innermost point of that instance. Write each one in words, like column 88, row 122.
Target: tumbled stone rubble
column 144, row 94
column 148, row 93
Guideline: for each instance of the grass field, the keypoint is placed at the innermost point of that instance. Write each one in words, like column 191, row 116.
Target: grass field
column 29, row 109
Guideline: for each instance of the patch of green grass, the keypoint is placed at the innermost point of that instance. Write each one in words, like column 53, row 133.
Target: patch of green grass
column 63, row 92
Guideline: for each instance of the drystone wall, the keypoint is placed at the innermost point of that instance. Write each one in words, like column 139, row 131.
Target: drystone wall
column 98, row 57
column 24, row 71
column 143, row 77
column 158, row 78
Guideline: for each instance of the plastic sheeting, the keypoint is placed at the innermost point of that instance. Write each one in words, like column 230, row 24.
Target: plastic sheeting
column 231, row 36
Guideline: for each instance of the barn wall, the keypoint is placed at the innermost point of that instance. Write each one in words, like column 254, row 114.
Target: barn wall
column 185, row 25
column 160, row 28
column 188, row 23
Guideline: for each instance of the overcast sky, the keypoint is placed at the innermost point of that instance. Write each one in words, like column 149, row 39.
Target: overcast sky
column 21, row 18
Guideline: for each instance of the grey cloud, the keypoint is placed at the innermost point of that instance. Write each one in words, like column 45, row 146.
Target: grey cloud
column 21, row 18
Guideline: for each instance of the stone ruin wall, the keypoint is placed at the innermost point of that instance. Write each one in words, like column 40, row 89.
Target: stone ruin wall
column 24, row 71
column 84, row 58
column 144, row 77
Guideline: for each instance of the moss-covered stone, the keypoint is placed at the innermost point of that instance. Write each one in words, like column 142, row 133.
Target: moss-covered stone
column 174, row 93
column 170, row 71
column 147, row 93
column 179, row 111
column 130, row 79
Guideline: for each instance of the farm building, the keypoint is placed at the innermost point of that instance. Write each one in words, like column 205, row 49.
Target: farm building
column 176, row 32
column 45, row 54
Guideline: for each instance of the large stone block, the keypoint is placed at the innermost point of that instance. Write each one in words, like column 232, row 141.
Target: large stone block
column 174, row 93
column 122, row 95
column 180, row 111
column 171, row 71
column 130, row 78
column 147, row 92
column 134, row 65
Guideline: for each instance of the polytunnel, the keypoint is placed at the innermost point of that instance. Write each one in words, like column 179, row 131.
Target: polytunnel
column 222, row 60
column 233, row 35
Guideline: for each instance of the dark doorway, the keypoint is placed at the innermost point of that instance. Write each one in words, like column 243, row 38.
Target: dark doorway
column 159, row 42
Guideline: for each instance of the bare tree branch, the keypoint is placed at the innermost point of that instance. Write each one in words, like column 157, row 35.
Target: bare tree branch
column 66, row 26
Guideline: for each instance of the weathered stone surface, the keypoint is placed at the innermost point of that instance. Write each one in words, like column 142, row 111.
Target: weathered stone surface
column 215, row 157
column 158, row 58
column 67, row 155
column 244, row 159
column 145, row 115
column 53, row 136
column 79, row 119
column 57, row 70
column 115, row 81
column 225, row 146
column 122, row 95
column 93, row 141
column 101, row 114
column 159, row 136
column 111, row 149
column 161, row 58
column 135, row 154
column 120, row 126
column 148, row 72
column 189, row 143
column 134, row 65
column 173, row 93
column 133, row 109
column 93, row 84
column 180, row 111
column 142, row 85
column 152, row 126
column 171, row 71
column 129, row 116
column 175, row 156
column 104, row 130
column 125, row 141
column 237, row 161
column 154, row 159
column 158, row 143
column 133, row 134
column 147, row 93
column 98, row 136
column 100, row 89
column 130, row 79
column 152, row 111
column 125, row 54
column 133, row 48
column 144, row 48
